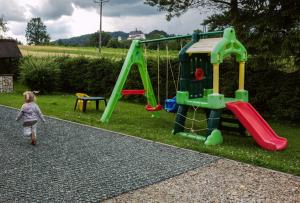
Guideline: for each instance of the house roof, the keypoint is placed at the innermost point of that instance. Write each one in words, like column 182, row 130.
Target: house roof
column 9, row 49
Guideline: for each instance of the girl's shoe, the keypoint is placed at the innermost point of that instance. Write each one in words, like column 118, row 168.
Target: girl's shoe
column 33, row 139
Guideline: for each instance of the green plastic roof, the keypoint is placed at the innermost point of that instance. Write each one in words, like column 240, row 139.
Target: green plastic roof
column 227, row 46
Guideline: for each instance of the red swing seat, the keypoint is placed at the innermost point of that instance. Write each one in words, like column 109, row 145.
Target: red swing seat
column 133, row 92
column 158, row 107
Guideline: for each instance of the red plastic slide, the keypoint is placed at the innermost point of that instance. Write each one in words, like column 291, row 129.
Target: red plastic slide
column 260, row 130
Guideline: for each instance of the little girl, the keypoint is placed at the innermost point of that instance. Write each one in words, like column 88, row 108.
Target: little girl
column 30, row 112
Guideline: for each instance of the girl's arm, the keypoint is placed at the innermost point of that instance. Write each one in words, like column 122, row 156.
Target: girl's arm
column 20, row 114
column 39, row 113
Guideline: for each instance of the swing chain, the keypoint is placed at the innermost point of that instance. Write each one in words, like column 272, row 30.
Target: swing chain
column 169, row 66
column 158, row 72
column 167, row 75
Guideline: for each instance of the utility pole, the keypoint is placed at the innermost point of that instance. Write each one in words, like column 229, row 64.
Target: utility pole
column 100, row 2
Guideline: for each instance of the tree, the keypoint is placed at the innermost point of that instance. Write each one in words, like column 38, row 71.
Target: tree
column 176, row 8
column 3, row 26
column 36, row 32
column 94, row 39
column 236, row 12
column 156, row 34
column 113, row 43
column 270, row 29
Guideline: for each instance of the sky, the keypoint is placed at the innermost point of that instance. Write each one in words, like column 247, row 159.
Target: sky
column 69, row 18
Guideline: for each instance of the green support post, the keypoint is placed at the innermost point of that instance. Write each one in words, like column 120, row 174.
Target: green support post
column 180, row 118
column 213, row 121
column 183, row 87
column 135, row 56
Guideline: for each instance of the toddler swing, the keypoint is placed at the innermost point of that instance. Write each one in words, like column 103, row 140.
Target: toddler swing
column 170, row 104
column 158, row 107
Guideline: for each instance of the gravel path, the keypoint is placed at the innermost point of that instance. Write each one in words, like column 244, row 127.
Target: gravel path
column 76, row 163
column 221, row 181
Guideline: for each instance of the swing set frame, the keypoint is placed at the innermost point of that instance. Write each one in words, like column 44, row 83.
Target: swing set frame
column 199, row 88
column 135, row 56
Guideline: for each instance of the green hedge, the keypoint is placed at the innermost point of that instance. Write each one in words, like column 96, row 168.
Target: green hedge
column 98, row 76
column 274, row 93
column 40, row 74
column 94, row 76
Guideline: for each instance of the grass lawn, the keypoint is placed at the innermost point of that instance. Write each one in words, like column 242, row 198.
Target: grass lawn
column 132, row 119
column 117, row 53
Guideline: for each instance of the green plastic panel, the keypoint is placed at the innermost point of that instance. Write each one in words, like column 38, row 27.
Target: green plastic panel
column 227, row 46
column 215, row 138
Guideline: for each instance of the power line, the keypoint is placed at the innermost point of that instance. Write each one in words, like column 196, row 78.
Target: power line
column 100, row 2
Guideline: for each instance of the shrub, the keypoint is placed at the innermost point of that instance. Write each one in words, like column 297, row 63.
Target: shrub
column 274, row 93
column 93, row 76
column 40, row 74
column 73, row 73
column 101, row 75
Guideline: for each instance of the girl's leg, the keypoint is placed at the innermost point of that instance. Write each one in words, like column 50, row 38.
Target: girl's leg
column 27, row 131
column 33, row 134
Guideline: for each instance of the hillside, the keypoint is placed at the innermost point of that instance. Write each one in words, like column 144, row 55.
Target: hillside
column 88, row 39
column 83, row 40
column 156, row 34
column 74, row 41
column 116, row 34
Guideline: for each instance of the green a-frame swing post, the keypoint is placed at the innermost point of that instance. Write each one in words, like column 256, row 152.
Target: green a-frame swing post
column 135, row 56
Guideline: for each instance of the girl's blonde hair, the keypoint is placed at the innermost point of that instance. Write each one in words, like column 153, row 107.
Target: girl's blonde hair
column 29, row 96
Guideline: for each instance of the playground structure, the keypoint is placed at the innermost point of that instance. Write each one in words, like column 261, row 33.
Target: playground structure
column 200, row 61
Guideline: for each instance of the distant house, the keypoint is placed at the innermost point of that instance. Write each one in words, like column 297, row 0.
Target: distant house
column 9, row 56
column 119, row 38
column 9, row 49
column 137, row 34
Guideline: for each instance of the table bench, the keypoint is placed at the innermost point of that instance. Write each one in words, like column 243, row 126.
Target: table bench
column 86, row 99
